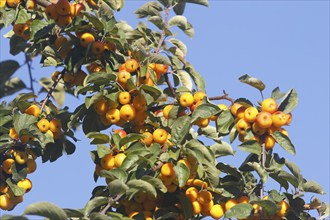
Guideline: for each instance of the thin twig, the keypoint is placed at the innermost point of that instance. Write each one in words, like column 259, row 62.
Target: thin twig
column 59, row 76
column 169, row 85
column 224, row 96
column 111, row 201
column 163, row 35
column 263, row 162
column 28, row 62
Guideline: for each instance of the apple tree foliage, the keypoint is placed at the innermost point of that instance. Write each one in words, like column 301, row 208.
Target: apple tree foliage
column 146, row 177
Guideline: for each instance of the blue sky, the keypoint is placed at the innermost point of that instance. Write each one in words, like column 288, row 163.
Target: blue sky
column 283, row 43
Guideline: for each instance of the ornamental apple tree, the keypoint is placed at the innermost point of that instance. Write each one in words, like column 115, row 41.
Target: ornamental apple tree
column 146, row 111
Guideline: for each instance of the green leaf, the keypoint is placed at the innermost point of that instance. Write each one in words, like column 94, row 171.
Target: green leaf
column 11, row 86
column 17, row 45
column 289, row 102
column 98, row 138
column 117, row 187
column 7, row 68
column 268, row 207
column 17, row 191
column 23, row 121
column 197, row 147
column 324, row 211
column 94, row 203
column 197, row 78
column 156, row 182
column 294, row 169
column 157, row 58
column 36, row 26
column 73, row 213
column 210, row 132
column 157, row 20
column 277, row 94
column 187, row 207
column 222, row 149
column 115, row 4
column 212, row 174
column 12, row 217
column 189, row 31
column 199, row 2
column 239, row 211
column 179, row 44
column 284, row 142
column 154, row 92
column 182, row 173
column 179, row 7
column 149, row 9
column 100, row 78
column 179, row 21
column 116, row 173
column 282, row 181
column 102, row 150
column 288, row 177
column 43, row 32
column 94, row 20
column 9, row 18
column 251, row 146
column 185, row 79
column 142, row 185
column 312, row 186
column 225, row 168
column 130, row 138
column 204, row 111
column 225, row 122
column 180, row 129
column 260, row 170
column 254, row 82
column 47, row 210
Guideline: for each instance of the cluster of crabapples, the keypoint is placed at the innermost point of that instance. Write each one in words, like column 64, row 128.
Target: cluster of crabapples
column 261, row 122
column 21, row 157
column 63, row 12
column 29, row 4
column 70, row 79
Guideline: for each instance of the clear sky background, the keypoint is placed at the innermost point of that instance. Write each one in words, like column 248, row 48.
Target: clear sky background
column 283, row 43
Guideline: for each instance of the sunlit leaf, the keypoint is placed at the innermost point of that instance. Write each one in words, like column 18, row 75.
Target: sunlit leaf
column 284, row 142
column 117, row 187
column 182, row 173
column 222, row 149
column 204, row 111
column 251, row 146
column 260, row 170
column 312, row 186
column 98, row 138
column 94, row 203
column 143, row 186
column 47, row 210
column 289, row 102
column 180, row 129
column 277, row 94
column 254, row 82
column 239, row 211
column 197, row 78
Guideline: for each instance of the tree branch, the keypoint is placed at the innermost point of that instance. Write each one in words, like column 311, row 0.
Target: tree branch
column 224, row 96
column 111, row 201
column 59, row 76
column 163, row 35
column 169, row 85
